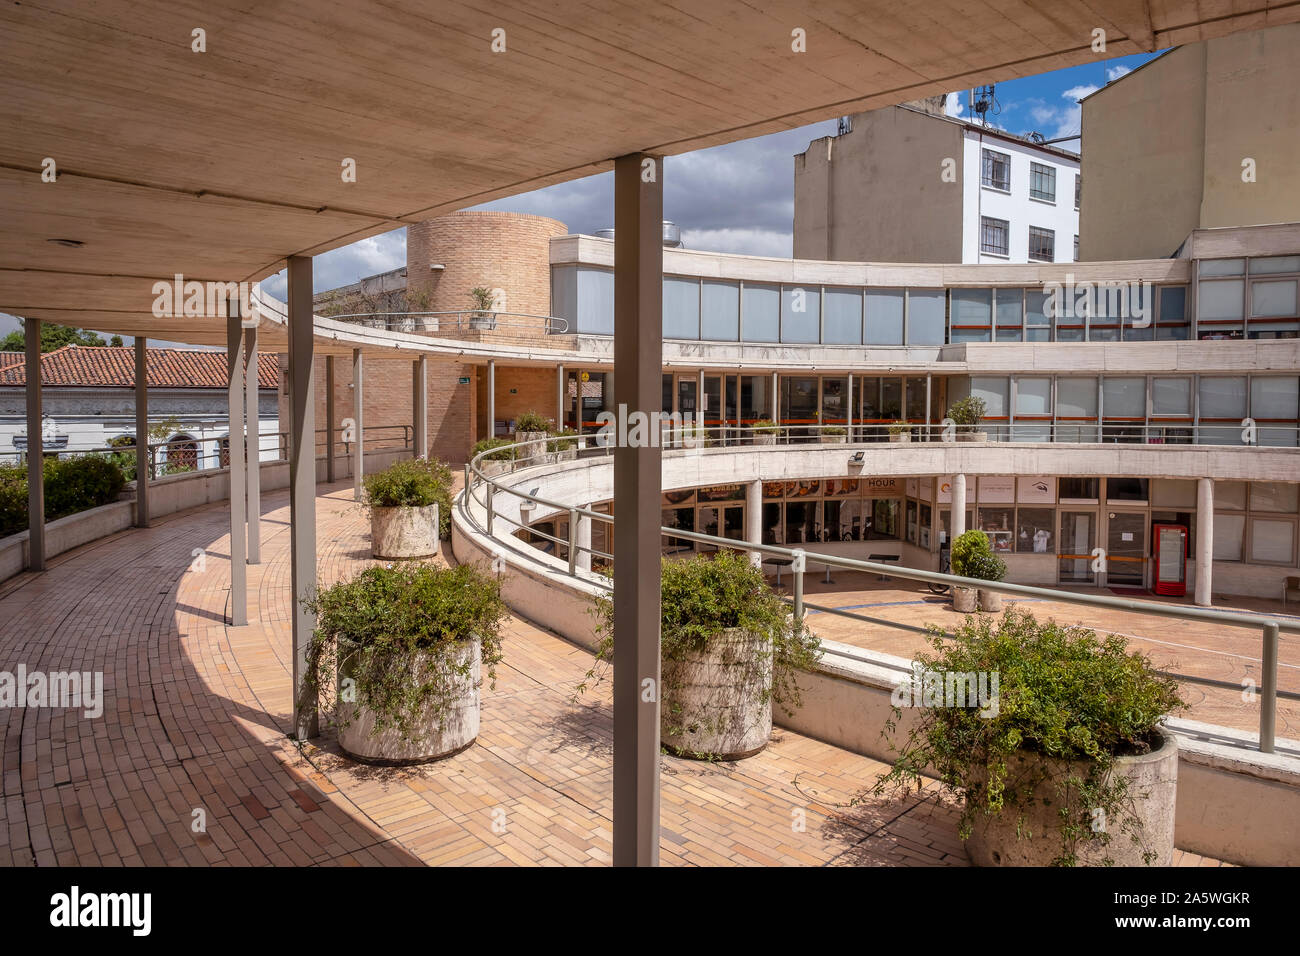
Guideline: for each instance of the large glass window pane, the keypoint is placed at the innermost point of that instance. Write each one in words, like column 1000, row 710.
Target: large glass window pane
column 972, row 307
column 1171, row 396
column 1171, row 322
column 925, row 309
column 801, row 313
column 915, row 399
column 1222, row 398
column 1128, row 489
column 1140, row 326
column 884, row 321
column 1038, row 324
column 1230, row 495
column 1035, row 532
column 995, row 392
column 1273, row 405
column 1033, row 396
column 891, row 399
column 1278, row 497
column 1175, row 493
column 798, row 399
column 720, row 318
column 1078, row 489
column 1009, row 307
column 997, row 523
column 1220, row 299
column 1273, row 299
column 885, row 516
column 755, row 400
column 762, row 313
column 595, row 301
column 1222, row 267
column 843, row 323
column 681, row 308
column 1272, row 541
column 1124, row 397
column 834, row 407
column 1228, row 532
column 869, row 391
column 1274, row 264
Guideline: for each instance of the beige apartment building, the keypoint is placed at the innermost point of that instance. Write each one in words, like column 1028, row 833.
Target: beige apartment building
column 1206, row 135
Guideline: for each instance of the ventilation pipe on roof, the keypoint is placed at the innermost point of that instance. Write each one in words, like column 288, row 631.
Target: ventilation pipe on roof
column 672, row 235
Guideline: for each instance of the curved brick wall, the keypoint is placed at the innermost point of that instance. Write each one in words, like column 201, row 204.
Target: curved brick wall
column 504, row 250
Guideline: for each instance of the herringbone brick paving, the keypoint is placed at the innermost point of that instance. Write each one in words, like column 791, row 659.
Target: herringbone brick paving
column 196, row 717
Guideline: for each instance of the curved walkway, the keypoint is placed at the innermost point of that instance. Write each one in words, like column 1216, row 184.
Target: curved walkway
column 190, row 762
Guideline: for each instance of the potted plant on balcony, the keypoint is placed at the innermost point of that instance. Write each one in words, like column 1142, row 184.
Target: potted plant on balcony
column 967, row 550
column 409, row 502
column 900, row 432
column 533, row 428
column 834, row 435
column 482, row 317
column 1063, row 758
column 498, row 455
column 402, row 649
column 764, row 431
column 729, row 650
column 966, row 414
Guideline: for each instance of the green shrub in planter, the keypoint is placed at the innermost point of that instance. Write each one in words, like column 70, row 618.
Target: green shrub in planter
column 487, row 444
column 900, row 427
column 985, row 567
column 531, row 421
column 413, row 483
column 968, row 412
column 707, row 600
column 382, row 617
column 565, row 439
column 1064, row 698
column 834, row 430
column 71, row 485
column 968, row 546
column 13, row 500
column 765, row 426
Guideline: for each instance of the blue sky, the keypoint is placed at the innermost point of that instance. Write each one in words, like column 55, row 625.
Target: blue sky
column 739, row 197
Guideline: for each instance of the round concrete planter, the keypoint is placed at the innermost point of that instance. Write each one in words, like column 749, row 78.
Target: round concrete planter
column 764, row 438
column 835, row 439
column 1153, row 781
column 404, row 532
column 719, row 698
column 431, row 738
column 902, row 438
column 492, row 468
column 972, row 436
column 989, row 600
column 963, row 599
column 536, row 447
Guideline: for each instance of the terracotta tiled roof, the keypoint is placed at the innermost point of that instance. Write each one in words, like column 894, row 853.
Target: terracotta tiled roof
column 114, row 367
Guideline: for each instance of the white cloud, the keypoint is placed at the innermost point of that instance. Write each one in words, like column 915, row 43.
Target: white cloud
column 1079, row 92
column 745, row 242
column 955, row 105
column 1113, row 73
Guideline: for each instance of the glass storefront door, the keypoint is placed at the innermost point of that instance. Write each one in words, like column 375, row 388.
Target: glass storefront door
column 1077, row 539
column 1126, row 548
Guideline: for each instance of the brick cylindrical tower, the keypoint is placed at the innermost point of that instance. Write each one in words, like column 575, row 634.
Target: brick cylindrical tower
column 496, row 250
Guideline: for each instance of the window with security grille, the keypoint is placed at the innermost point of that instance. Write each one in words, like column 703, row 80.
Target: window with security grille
column 1078, row 189
column 994, row 236
column 997, row 170
column 1042, row 182
column 1042, row 244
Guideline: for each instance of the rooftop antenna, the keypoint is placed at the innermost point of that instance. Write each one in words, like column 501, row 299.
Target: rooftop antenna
column 982, row 102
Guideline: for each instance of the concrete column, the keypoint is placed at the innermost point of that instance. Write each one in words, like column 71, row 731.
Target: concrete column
column 234, row 445
column 35, row 449
column 302, row 483
column 559, row 397
column 492, row 399
column 359, row 423
column 141, row 433
column 330, row 419
column 253, row 422
column 958, row 523
column 754, row 519
column 776, row 399
column 584, row 542
column 849, row 413
column 1204, row 542
column 638, row 360
column 699, row 399
column 420, row 406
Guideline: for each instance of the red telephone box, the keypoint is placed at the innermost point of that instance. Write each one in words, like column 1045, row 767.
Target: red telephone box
column 1170, row 550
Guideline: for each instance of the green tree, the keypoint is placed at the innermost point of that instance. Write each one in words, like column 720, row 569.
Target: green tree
column 52, row 337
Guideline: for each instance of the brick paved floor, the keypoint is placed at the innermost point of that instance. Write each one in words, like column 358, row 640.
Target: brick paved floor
column 190, row 762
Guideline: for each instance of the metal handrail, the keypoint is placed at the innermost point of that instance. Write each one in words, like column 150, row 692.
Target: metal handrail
column 1270, row 627
column 463, row 319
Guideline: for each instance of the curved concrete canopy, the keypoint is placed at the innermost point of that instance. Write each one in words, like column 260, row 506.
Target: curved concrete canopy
column 220, row 164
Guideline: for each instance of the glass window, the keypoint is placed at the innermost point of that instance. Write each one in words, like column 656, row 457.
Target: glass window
column 801, row 313
column 1042, row 244
column 1171, row 396
column 869, row 391
column 1220, row 300
column 762, row 313
column 1176, row 493
column 911, row 521
column 1278, row 497
column 1128, row 489
column 884, row 317
column 885, row 514
column 681, row 308
column 925, row 316
column 720, row 315
column 1042, row 182
column 1272, row 541
column 995, row 392
column 1033, row 396
column 1222, row 398
column 891, row 399
column 1222, row 267
column 1078, row 189
column 914, row 393
column 1078, row 489
column 1009, row 308
column 1274, row 264
column 681, row 519
column 1228, row 531
column 996, row 171
column 802, row 521
column 843, row 520
column 834, row 407
column 1273, row 299
column 1035, row 531
column 997, row 523
column 595, row 301
column 1273, row 405
column 1038, row 323
column 773, row 529
column 755, row 402
column 995, row 236
column 799, row 399
column 1171, row 322
column 1124, row 397
column 1230, row 495
column 843, row 322
column 972, row 315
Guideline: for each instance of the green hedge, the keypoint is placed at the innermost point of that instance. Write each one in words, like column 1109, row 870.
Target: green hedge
column 71, row 485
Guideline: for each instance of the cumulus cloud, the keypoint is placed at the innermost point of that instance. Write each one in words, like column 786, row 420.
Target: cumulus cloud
column 1113, row 73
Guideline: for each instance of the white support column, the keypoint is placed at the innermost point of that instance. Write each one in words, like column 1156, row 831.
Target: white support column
column 699, row 402
column 420, row 401
column 492, row 399
column 559, row 397
column 330, row 419
column 358, row 423
column 141, row 432
column 1204, row 542
column 848, row 415
column 253, row 425
column 584, row 542
column 958, row 523
column 35, row 449
column 234, row 446
column 302, row 484
column 754, row 519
